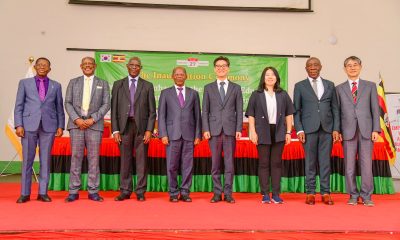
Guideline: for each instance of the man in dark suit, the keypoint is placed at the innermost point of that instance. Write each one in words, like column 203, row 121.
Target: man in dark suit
column 133, row 115
column 317, row 123
column 179, row 125
column 222, row 119
column 87, row 101
column 38, row 117
column 359, row 115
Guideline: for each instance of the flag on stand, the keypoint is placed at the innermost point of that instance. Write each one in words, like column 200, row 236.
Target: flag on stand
column 386, row 133
column 10, row 128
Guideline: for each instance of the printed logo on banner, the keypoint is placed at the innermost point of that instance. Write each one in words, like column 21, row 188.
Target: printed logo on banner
column 118, row 58
column 105, row 57
column 192, row 62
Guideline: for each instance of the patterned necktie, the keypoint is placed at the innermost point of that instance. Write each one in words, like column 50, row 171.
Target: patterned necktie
column 354, row 91
column 222, row 91
column 86, row 95
column 315, row 87
column 180, row 97
column 132, row 89
column 42, row 90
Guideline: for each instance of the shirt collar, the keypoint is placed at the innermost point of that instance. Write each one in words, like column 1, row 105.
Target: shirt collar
column 176, row 87
column 351, row 81
column 91, row 77
column 319, row 79
column 130, row 78
column 225, row 81
column 46, row 79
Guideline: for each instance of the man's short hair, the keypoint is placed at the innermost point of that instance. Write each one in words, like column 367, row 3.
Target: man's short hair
column 222, row 58
column 178, row 67
column 354, row 58
column 43, row 58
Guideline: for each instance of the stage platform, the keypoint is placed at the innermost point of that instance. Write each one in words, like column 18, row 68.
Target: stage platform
column 247, row 218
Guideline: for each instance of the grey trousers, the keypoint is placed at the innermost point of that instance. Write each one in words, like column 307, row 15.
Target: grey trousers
column 81, row 139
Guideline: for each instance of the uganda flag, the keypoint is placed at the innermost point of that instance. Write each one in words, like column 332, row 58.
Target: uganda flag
column 386, row 133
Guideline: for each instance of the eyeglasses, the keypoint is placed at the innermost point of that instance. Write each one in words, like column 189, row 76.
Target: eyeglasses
column 221, row 66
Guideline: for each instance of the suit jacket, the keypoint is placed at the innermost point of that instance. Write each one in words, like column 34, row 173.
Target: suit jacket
column 218, row 115
column 175, row 121
column 364, row 113
column 311, row 112
column 99, row 102
column 29, row 110
column 145, row 106
column 257, row 108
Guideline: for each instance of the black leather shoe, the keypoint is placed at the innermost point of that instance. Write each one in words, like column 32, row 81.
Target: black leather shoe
column 173, row 198
column 44, row 198
column 95, row 197
column 215, row 198
column 229, row 199
column 185, row 198
column 72, row 197
column 140, row 197
column 122, row 197
column 23, row 199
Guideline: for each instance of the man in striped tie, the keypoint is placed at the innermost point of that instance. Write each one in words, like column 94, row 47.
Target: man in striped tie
column 359, row 113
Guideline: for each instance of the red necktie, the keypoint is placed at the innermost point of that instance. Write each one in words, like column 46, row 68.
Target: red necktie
column 354, row 91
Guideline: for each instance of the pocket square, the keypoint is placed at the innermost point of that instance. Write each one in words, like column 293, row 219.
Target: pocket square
column 100, row 87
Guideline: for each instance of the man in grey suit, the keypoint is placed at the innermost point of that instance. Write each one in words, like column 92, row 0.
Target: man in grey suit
column 87, row 101
column 317, row 123
column 38, row 117
column 179, row 125
column 222, row 119
column 133, row 115
column 359, row 114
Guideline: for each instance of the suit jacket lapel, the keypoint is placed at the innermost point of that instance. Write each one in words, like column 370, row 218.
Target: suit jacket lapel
column 49, row 90
column 310, row 88
column 172, row 93
column 125, row 86
column 279, row 100
column 139, row 87
column 347, row 91
column 32, row 85
column 228, row 93
column 360, row 90
column 188, row 95
column 94, row 87
column 264, row 104
column 215, row 88
column 326, row 88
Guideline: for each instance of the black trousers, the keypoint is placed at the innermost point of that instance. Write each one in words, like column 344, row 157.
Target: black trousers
column 133, row 141
column 270, row 164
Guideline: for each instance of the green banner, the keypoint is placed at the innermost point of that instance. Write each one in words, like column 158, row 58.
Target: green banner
column 157, row 68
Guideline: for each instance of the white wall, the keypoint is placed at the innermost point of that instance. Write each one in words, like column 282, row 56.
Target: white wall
column 368, row 29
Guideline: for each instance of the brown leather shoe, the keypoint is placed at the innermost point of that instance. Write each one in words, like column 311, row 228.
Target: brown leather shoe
column 310, row 199
column 326, row 198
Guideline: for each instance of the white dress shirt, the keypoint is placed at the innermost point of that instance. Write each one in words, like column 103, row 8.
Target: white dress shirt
column 320, row 86
column 271, row 107
column 351, row 83
column 225, row 85
column 183, row 91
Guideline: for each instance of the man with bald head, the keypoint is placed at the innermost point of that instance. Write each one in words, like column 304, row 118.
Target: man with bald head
column 87, row 101
column 179, row 125
column 317, row 123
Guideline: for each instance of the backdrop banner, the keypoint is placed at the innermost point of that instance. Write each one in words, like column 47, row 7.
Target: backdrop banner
column 157, row 68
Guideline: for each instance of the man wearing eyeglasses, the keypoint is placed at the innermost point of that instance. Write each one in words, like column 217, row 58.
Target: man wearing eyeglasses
column 222, row 119
column 133, row 115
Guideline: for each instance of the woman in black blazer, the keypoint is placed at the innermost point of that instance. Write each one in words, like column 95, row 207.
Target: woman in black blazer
column 270, row 112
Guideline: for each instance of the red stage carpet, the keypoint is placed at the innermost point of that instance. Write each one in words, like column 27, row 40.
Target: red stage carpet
column 157, row 214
